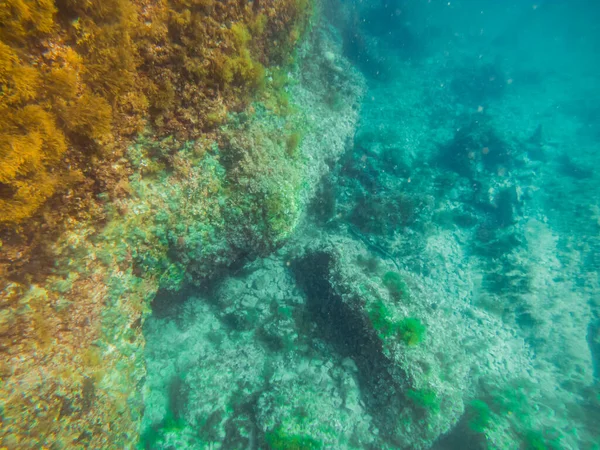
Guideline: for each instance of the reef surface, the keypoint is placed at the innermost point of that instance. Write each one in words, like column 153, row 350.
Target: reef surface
column 180, row 149
column 441, row 289
column 299, row 225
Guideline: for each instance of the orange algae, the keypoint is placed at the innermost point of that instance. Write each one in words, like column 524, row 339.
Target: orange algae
column 93, row 72
column 99, row 73
column 78, row 80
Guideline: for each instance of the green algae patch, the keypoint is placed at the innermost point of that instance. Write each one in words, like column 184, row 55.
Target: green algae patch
column 425, row 399
column 381, row 319
column 183, row 218
column 409, row 330
column 279, row 439
column 479, row 415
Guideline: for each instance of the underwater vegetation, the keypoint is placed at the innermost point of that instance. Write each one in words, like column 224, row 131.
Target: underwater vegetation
column 278, row 439
column 425, row 399
column 80, row 80
column 409, row 330
column 43, row 100
column 114, row 117
column 215, row 232
column 480, row 416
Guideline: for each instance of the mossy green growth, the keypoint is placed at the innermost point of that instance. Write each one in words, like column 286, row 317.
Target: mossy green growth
column 264, row 183
column 396, row 286
column 425, row 399
column 381, row 319
column 63, row 285
column 153, row 436
column 411, row 331
column 279, row 439
column 281, row 210
column 292, row 144
column 275, row 95
column 479, row 415
column 173, row 277
column 536, row 440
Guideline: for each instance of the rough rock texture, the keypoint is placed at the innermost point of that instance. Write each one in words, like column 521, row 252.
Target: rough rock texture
column 72, row 366
column 247, row 328
column 442, row 290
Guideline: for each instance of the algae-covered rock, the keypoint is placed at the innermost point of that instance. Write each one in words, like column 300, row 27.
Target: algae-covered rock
column 186, row 210
column 176, row 206
column 211, row 238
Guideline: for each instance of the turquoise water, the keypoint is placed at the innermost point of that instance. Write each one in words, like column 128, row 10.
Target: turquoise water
column 442, row 289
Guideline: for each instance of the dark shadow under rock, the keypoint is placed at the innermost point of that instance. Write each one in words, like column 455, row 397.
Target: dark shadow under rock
column 342, row 321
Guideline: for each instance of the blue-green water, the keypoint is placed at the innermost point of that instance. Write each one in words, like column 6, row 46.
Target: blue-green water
column 442, row 289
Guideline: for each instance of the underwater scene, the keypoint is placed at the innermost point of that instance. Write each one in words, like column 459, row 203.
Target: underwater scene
column 300, row 224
